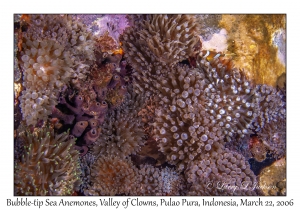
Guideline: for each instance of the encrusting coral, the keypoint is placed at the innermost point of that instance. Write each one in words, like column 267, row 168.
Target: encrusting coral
column 49, row 164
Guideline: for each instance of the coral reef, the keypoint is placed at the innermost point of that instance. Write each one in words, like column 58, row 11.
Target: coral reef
column 146, row 105
column 49, row 164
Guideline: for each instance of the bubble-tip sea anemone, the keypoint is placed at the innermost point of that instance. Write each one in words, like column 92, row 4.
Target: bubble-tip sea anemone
column 49, row 165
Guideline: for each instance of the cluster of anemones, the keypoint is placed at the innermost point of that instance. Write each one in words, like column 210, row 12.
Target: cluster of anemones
column 49, row 164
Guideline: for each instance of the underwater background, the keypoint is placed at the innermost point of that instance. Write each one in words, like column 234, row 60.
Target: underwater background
column 149, row 104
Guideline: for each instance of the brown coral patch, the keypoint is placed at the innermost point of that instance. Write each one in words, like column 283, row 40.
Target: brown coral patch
column 272, row 179
column 250, row 38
